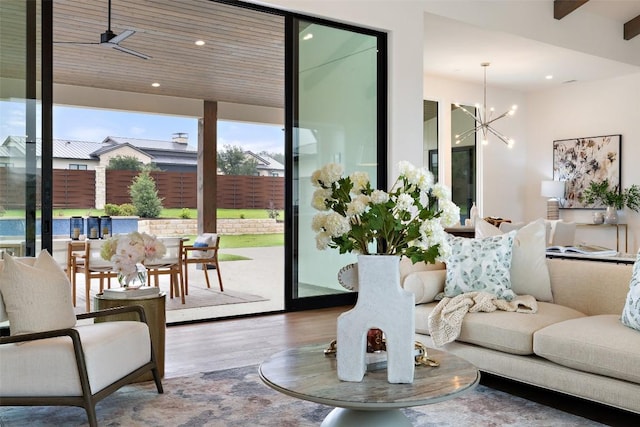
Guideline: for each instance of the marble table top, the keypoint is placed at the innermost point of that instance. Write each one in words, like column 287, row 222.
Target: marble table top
column 306, row 373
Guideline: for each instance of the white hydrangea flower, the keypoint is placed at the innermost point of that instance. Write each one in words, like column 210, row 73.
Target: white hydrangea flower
column 431, row 232
column 405, row 168
column 444, row 251
column 356, row 207
column 317, row 223
column 450, row 213
column 359, row 180
column 319, row 198
column 425, row 180
column 330, row 173
column 379, row 197
column 322, row 240
column 336, row 225
column 441, row 191
column 404, row 202
column 315, row 178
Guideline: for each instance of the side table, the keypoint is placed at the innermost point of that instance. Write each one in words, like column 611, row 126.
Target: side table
column 154, row 309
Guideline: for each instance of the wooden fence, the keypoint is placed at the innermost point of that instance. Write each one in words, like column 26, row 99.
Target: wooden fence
column 77, row 189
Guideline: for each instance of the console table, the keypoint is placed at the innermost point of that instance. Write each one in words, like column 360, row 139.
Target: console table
column 306, row 373
column 618, row 228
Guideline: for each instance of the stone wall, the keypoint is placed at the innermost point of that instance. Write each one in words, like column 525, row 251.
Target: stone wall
column 182, row 227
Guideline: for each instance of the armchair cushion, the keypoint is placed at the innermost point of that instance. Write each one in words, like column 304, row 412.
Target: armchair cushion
column 47, row 367
column 37, row 297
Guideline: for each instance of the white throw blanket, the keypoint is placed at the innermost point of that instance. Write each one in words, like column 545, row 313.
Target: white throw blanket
column 445, row 321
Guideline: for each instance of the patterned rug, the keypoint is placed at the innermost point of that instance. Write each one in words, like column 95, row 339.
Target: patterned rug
column 238, row 398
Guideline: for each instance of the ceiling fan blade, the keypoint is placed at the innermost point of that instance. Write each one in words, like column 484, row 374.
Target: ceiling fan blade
column 129, row 51
column 117, row 39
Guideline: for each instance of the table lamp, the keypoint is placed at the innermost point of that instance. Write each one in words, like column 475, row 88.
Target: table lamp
column 555, row 191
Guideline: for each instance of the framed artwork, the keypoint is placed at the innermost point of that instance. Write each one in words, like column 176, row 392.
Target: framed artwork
column 581, row 161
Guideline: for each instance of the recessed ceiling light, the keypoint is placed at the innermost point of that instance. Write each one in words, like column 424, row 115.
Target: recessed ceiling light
column 155, row 84
column 548, row 77
column 200, row 43
column 307, row 36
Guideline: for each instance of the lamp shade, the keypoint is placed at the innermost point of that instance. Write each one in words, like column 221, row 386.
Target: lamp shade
column 554, row 189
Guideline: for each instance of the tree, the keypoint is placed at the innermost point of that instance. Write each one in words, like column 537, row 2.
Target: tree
column 125, row 163
column 144, row 196
column 234, row 161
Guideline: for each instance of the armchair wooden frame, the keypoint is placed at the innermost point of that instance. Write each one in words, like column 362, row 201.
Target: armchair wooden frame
column 209, row 257
column 87, row 400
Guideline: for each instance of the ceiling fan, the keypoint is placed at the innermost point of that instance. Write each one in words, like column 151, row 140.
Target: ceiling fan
column 110, row 39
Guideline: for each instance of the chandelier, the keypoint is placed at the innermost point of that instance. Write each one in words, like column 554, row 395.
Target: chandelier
column 484, row 118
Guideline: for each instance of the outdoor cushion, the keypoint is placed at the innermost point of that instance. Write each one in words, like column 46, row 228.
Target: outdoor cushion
column 597, row 344
column 203, row 241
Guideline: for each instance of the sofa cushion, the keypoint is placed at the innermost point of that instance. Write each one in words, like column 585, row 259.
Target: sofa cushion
column 529, row 271
column 479, row 265
column 597, row 344
column 37, row 297
column 631, row 311
column 49, row 367
column 505, row 331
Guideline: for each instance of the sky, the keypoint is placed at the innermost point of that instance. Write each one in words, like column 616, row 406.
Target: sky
column 90, row 124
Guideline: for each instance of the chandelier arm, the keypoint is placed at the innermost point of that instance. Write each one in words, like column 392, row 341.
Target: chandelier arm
column 506, row 113
column 466, row 135
column 499, row 135
column 475, row 117
column 469, row 132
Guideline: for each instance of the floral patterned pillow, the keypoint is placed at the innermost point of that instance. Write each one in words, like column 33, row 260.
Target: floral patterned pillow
column 631, row 310
column 480, row 265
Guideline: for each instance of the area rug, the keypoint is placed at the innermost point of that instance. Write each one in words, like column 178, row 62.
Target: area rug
column 237, row 398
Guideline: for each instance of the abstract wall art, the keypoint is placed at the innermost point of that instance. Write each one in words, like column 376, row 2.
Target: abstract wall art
column 580, row 161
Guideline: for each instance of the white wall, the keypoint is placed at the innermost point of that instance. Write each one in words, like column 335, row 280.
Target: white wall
column 580, row 110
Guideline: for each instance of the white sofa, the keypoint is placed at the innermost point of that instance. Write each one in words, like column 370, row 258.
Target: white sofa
column 574, row 345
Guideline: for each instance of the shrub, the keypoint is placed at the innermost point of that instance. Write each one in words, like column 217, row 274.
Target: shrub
column 126, row 209
column 185, row 214
column 144, row 196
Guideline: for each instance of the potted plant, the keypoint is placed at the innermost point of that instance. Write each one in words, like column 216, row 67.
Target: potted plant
column 610, row 196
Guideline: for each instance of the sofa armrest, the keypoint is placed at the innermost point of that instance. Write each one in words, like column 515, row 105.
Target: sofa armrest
column 425, row 285
column 70, row 332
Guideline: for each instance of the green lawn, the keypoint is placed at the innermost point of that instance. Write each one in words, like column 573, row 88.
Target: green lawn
column 247, row 240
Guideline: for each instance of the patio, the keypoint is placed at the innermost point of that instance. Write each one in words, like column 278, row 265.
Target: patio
column 250, row 286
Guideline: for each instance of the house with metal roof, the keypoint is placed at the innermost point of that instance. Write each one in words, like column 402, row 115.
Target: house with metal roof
column 175, row 155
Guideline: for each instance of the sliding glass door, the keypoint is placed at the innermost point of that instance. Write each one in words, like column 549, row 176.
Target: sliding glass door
column 337, row 115
column 21, row 89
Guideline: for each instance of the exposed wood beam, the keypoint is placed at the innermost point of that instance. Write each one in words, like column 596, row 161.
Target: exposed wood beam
column 562, row 8
column 632, row 28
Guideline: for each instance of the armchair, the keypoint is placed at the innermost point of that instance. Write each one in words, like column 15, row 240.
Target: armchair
column 204, row 252
column 68, row 364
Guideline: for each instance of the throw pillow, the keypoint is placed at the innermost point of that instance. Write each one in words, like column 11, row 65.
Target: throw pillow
column 631, row 310
column 203, row 241
column 480, row 265
column 37, row 298
column 529, row 271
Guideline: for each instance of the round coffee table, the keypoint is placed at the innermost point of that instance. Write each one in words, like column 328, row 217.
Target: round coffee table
column 306, row 373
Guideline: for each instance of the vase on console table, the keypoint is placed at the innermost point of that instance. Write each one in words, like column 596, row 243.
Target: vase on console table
column 382, row 303
column 611, row 215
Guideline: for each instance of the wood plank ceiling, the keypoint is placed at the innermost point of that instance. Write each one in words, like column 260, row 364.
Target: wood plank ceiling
column 242, row 60
column 562, row 8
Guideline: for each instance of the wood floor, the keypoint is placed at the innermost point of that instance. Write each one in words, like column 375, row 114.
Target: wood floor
column 224, row 344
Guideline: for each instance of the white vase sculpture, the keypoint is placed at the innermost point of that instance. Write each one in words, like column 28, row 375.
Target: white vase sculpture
column 382, row 304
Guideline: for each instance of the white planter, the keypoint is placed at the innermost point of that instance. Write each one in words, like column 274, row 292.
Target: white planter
column 383, row 304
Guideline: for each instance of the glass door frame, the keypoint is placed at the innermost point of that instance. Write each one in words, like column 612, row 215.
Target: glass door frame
column 292, row 303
